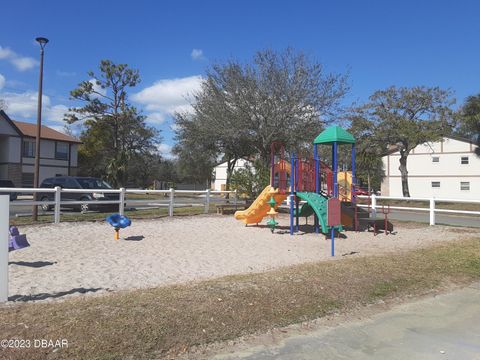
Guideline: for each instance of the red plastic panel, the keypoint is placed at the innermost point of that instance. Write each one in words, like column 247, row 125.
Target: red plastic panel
column 334, row 212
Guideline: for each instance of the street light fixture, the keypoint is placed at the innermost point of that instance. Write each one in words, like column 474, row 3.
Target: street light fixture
column 42, row 41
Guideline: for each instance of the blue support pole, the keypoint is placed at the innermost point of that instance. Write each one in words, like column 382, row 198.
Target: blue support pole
column 335, row 188
column 332, row 236
column 354, row 179
column 334, row 168
column 297, row 171
column 317, row 183
column 317, row 167
column 292, row 190
column 297, row 217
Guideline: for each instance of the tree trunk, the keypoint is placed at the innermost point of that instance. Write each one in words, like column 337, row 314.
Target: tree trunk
column 230, row 167
column 368, row 183
column 404, row 173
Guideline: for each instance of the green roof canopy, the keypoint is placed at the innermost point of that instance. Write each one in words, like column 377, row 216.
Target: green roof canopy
column 334, row 134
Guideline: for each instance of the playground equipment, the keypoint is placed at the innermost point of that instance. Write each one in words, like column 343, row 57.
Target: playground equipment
column 118, row 222
column 16, row 241
column 322, row 189
column 272, row 222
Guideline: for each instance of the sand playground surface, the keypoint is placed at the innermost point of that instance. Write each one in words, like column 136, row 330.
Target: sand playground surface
column 72, row 259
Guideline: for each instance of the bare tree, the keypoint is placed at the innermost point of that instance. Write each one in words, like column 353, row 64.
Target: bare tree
column 242, row 108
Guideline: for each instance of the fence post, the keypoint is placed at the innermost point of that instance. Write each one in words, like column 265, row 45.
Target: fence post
column 170, row 205
column 374, row 205
column 121, row 205
column 207, row 201
column 432, row 211
column 235, row 200
column 58, row 197
column 4, row 236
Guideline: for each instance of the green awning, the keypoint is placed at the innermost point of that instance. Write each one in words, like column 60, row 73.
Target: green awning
column 334, row 134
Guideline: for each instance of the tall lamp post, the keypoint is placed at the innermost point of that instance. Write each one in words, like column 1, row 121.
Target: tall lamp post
column 42, row 41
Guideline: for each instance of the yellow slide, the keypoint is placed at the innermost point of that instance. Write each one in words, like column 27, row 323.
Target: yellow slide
column 258, row 210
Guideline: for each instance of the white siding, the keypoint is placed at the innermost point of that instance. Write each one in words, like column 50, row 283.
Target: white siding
column 4, row 149
column 449, row 171
column 220, row 172
column 6, row 128
column 74, row 155
column 14, row 144
column 45, row 172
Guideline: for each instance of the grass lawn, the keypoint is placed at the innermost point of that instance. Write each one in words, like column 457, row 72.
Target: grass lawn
column 161, row 322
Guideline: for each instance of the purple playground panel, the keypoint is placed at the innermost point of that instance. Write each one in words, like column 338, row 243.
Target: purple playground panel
column 17, row 241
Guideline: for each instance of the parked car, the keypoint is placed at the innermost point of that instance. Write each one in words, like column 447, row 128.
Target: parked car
column 8, row 184
column 77, row 182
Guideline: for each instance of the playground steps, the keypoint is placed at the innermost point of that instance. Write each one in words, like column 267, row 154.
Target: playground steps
column 348, row 216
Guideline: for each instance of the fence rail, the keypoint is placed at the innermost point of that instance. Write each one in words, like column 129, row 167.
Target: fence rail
column 432, row 202
column 57, row 203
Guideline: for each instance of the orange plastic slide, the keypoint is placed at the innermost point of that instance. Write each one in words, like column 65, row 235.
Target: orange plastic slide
column 258, row 210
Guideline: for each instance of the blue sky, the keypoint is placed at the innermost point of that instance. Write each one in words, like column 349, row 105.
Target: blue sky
column 380, row 43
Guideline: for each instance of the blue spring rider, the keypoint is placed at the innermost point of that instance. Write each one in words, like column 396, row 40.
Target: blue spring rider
column 118, row 222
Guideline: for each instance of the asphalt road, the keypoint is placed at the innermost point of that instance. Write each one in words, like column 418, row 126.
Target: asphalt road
column 440, row 219
column 443, row 327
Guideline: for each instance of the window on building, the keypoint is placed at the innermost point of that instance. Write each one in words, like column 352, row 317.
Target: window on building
column 61, row 151
column 464, row 185
column 28, row 148
column 464, row 160
column 435, row 159
column 435, row 184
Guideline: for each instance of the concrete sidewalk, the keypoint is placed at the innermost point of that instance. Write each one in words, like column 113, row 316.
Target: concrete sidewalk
column 443, row 327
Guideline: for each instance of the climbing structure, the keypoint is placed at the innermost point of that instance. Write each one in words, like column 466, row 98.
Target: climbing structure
column 314, row 187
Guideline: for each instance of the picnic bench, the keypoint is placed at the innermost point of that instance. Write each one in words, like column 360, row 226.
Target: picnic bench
column 223, row 209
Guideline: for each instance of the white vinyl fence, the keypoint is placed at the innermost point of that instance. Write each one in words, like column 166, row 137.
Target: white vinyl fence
column 57, row 203
column 430, row 208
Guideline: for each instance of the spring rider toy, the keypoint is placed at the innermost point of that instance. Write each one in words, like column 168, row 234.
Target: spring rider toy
column 118, row 222
column 17, row 241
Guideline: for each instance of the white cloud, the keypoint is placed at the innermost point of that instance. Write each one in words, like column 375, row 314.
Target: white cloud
column 2, row 81
column 174, row 127
column 168, row 96
column 59, row 128
column 97, row 88
column 197, row 54
column 156, row 118
column 56, row 113
column 165, row 150
column 6, row 53
column 22, row 63
column 23, row 106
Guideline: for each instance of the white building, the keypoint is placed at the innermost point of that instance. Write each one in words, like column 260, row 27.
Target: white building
column 58, row 152
column 220, row 174
column 445, row 169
